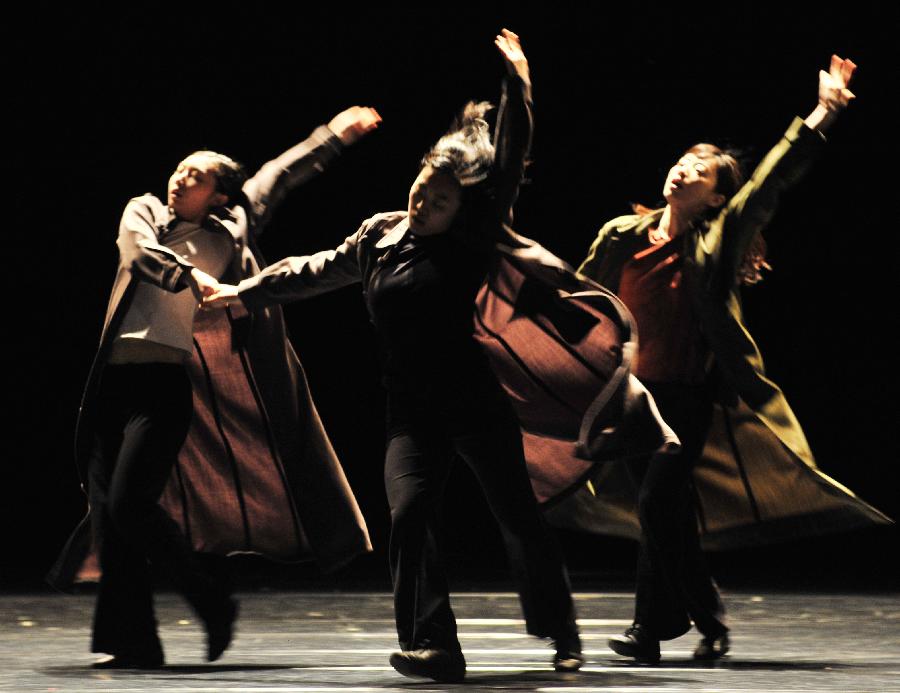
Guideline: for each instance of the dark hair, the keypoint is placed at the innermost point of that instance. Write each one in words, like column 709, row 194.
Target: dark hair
column 230, row 175
column 729, row 176
column 465, row 151
column 729, row 179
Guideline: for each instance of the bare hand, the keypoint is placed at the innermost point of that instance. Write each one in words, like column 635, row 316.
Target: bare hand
column 353, row 123
column 511, row 50
column 833, row 92
column 227, row 295
column 202, row 284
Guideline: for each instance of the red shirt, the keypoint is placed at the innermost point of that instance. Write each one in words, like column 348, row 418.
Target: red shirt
column 671, row 348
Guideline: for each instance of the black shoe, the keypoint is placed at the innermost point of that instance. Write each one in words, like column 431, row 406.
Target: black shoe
column 431, row 663
column 713, row 647
column 636, row 643
column 568, row 655
column 129, row 662
column 220, row 629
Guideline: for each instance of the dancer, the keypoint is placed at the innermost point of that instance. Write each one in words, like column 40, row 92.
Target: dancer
column 137, row 408
column 420, row 271
column 678, row 269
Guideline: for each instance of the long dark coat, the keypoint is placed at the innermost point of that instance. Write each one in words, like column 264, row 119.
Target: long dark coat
column 257, row 472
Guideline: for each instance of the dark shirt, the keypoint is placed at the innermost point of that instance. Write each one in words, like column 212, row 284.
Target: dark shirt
column 421, row 299
column 653, row 286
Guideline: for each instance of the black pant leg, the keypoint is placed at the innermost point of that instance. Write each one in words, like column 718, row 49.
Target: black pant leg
column 492, row 447
column 124, row 623
column 673, row 583
column 145, row 414
column 415, row 472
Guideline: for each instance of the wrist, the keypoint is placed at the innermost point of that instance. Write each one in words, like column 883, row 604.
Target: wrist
column 821, row 118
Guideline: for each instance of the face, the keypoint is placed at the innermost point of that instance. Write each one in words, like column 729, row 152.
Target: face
column 434, row 200
column 691, row 184
column 192, row 189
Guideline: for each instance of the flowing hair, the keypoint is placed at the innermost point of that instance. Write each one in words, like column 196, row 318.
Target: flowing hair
column 465, row 151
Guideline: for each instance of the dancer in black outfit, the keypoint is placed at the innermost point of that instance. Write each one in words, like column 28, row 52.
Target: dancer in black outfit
column 420, row 271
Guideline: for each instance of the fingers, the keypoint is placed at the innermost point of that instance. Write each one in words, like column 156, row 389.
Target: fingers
column 216, row 302
column 508, row 42
column 841, row 70
column 368, row 119
column 833, row 92
column 835, row 68
column 351, row 124
column 847, row 70
column 510, row 48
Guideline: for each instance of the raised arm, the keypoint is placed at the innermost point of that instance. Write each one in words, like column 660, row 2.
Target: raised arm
column 303, row 161
column 751, row 209
column 512, row 137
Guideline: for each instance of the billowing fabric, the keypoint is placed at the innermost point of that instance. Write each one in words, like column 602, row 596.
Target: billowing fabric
column 560, row 345
column 257, row 472
column 757, row 481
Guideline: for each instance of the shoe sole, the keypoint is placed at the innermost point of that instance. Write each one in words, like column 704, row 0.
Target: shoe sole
column 621, row 648
column 571, row 664
column 711, row 656
column 404, row 667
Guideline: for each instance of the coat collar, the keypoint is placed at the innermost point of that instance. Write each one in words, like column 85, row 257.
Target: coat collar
column 218, row 219
column 395, row 235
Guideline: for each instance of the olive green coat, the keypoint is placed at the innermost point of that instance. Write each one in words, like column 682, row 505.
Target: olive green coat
column 757, row 480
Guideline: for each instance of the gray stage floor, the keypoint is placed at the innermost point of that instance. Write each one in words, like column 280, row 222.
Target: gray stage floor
column 341, row 641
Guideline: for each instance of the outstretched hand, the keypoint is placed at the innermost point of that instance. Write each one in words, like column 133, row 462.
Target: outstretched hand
column 834, row 95
column 353, row 123
column 226, row 295
column 202, row 284
column 511, row 49
column 833, row 92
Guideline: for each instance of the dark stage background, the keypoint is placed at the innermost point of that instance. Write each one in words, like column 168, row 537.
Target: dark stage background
column 104, row 103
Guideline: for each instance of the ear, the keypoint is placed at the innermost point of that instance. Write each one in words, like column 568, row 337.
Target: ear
column 716, row 200
column 219, row 200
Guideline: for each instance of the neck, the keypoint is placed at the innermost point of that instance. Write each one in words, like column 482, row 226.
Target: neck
column 676, row 220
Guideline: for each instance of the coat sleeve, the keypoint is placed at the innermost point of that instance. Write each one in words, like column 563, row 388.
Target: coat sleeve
column 295, row 278
column 512, row 140
column 141, row 252
column 297, row 165
column 605, row 258
column 754, row 205
column 590, row 267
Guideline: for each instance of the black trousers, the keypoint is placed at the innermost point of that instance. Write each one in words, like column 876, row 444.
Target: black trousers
column 143, row 415
column 674, row 586
column 416, row 468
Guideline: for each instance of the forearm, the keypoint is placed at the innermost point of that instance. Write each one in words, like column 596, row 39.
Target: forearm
column 515, row 125
column 296, row 278
column 751, row 209
column 141, row 252
column 820, row 119
column 297, row 165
